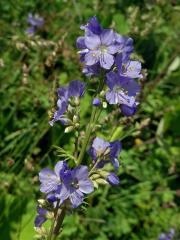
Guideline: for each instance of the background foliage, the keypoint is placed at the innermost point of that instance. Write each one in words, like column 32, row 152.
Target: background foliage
column 146, row 203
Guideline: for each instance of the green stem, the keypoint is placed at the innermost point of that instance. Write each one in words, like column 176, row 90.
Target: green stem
column 87, row 135
column 59, row 222
column 53, row 223
column 76, row 143
column 94, row 166
column 93, row 120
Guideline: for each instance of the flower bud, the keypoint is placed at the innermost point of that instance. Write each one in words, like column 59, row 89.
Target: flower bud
column 113, row 179
column 76, row 101
column 96, row 102
column 75, row 119
column 42, row 202
column 101, row 181
column 104, row 104
column 70, row 109
column 69, row 129
column 95, row 184
column 103, row 173
column 76, row 125
column 50, row 215
column 144, row 123
column 138, row 141
column 40, row 230
column 94, row 176
column 102, row 93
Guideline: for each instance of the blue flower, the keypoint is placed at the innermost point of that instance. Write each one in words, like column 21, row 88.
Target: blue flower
column 101, row 49
column 59, row 114
column 93, row 26
column 98, row 45
column 125, row 46
column 116, row 94
column 96, row 102
column 93, row 70
column 65, row 184
column 35, row 22
column 115, row 148
column 104, row 152
column 124, row 76
column 75, row 88
column 113, row 179
column 130, row 68
column 128, row 111
column 41, row 217
column 51, row 180
column 123, row 88
column 75, row 184
column 99, row 148
column 167, row 236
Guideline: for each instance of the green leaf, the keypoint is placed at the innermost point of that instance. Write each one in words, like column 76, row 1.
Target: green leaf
column 64, row 154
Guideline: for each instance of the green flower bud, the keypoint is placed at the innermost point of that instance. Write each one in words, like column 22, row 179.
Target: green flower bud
column 103, row 173
column 75, row 119
column 69, row 129
column 94, row 176
column 50, row 215
column 42, row 202
column 76, row 125
column 70, row 109
column 104, row 104
column 95, row 184
column 76, row 101
column 101, row 181
column 41, row 231
column 102, row 93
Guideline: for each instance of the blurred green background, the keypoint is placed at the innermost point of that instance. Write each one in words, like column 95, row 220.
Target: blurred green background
column 146, row 203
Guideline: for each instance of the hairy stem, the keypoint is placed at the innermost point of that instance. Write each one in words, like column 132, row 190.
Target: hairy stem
column 59, row 221
column 53, row 223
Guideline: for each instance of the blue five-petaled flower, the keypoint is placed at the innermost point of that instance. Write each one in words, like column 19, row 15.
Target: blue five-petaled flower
column 66, row 184
column 105, row 152
column 99, row 46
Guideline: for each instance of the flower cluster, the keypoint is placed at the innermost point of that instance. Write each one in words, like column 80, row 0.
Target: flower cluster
column 35, row 22
column 75, row 90
column 63, row 185
column 167, row 236
column 104, row 152
column 105, row 49
column 105, row 54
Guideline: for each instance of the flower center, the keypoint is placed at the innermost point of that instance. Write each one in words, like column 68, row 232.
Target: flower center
column 103, row 48
column 117, row 88
column 75, row 184
column 100, row 151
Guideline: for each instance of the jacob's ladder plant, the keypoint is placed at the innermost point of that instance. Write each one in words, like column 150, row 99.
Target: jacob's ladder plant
column 106, row 55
